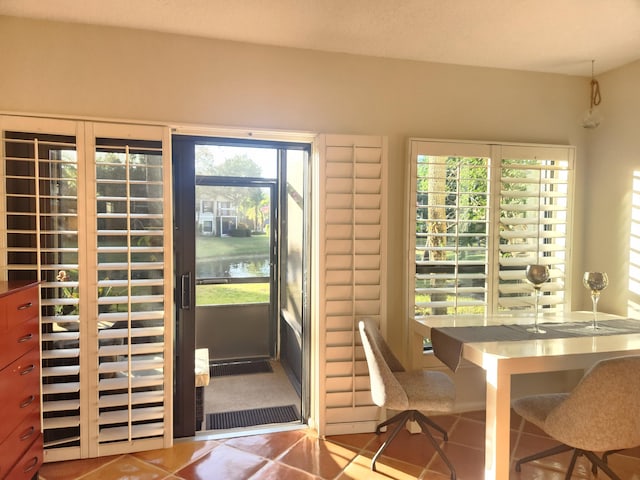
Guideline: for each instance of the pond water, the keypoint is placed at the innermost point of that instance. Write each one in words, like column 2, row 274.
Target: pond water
column 233, row 268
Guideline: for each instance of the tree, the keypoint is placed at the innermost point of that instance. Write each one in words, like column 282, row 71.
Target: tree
column 437, row 226
column 237, row 166
column 246, row 200
column 453, row 197
column 254, row 199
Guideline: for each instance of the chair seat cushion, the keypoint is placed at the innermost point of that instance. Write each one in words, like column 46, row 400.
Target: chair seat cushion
column 426, row 390
column 536, row 408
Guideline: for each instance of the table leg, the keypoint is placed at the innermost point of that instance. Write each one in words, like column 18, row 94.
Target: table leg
column 417, row 351
column 498, row 424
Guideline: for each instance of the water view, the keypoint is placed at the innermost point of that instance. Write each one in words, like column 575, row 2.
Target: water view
column 257, row 266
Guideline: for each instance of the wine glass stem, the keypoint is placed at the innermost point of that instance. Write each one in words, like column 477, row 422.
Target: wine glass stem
column 595, row 296
column 537, row 301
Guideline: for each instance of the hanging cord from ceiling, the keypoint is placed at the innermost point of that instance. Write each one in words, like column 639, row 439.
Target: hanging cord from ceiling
column 596, row 98
column 592, row 117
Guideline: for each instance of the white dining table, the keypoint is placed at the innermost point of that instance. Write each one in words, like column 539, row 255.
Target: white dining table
column 500, row 360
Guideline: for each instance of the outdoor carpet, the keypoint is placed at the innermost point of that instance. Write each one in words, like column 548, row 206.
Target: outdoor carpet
column 239, row 368
column 248, row 418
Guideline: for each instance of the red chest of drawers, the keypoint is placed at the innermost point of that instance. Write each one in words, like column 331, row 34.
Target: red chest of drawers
column 20, row 428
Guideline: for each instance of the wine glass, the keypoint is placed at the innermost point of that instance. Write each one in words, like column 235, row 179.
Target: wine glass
column 596, row 282
column 537, row 275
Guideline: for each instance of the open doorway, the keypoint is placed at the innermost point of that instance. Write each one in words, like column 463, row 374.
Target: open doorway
column 241, row 260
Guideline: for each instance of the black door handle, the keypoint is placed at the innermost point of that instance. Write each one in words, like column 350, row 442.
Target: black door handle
column 185, row 291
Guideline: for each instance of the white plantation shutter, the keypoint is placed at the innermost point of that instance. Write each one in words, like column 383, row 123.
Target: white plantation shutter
column 42, row 231
column 535, row 216
column 89, row 216
column 452, row 228
column 132, row 306
column 483, row 212
column 352, row 257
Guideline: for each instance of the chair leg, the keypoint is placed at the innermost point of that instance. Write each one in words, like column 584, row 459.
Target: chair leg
column 433, row 424
column 545, row 453
column 595, row 460
column 396, row 418
column 426, row 431
column 401, row 420
column 605, row 455
column 572, row 464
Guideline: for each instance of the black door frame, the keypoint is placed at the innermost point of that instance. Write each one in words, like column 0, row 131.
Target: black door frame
column 184, row 183
column 184, row 395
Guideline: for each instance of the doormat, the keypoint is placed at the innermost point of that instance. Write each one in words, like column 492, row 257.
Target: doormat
column 248, row 418
column 239, row 368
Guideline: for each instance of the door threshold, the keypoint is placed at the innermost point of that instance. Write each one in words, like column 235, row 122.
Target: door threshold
column 243, row 432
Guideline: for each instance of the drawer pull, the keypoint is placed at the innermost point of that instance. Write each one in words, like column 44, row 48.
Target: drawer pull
column 28, row 401
column 25, row 338
column 24, row 306
column 27, row 370
column 27, row 433
column 33, row 463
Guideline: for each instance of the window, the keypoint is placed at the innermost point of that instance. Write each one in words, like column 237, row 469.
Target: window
column 481, row 213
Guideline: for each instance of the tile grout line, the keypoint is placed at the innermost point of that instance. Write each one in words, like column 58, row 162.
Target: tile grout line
column 516, row 444
column 192, row 459
column 435, row 456
column 360, row 452
column 84, row 475
column 277, row 460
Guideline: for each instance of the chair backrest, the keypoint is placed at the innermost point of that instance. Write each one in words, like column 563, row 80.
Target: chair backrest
column 385, row 388
column 603, row 410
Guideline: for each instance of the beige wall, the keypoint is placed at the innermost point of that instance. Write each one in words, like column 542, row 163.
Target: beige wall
column 613, row 157
column 78, row 70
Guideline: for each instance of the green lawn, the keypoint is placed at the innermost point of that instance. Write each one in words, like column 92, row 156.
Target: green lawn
column 232, row 294
column 231, row 247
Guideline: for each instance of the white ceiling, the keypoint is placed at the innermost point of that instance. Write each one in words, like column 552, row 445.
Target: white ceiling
column 556, row 36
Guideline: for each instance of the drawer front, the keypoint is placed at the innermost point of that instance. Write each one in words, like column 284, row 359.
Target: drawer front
column 29, row 464
column 20, row 306
column 19, row 390
column 19, row 441
column 19, row 340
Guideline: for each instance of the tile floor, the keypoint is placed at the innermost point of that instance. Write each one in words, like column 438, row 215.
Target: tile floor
column 300, row 455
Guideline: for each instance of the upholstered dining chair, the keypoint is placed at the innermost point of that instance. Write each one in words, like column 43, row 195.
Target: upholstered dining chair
column 410, row 392
column 601, row 414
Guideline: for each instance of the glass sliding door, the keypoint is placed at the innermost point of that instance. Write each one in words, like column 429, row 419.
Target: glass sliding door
column 295, row 262
column 241, row 266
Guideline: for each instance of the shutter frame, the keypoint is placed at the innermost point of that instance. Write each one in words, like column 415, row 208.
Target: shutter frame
column 68, row 375
column 352, row 274
column 506, row 259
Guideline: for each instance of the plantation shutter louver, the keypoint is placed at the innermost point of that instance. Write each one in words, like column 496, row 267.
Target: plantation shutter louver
column 133, row 304
column 352, row 264
column 483, row 212
column 452, row 213
column 96, row 231
column 534, row 224
column 42, row 229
